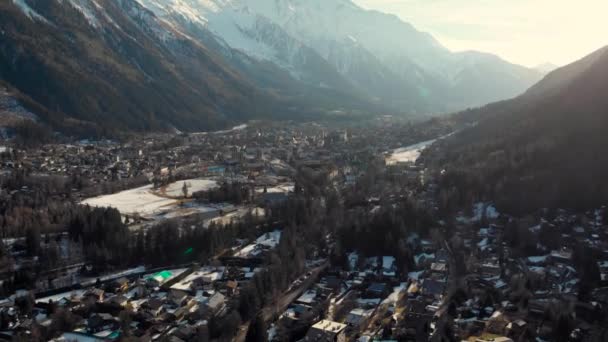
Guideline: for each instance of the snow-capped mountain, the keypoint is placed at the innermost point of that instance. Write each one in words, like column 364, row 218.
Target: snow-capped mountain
column 415, row 57
column 191, row 64
column 110, row 64
column 378, row 53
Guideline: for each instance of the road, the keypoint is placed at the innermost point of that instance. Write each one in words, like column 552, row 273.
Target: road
column 280, row 305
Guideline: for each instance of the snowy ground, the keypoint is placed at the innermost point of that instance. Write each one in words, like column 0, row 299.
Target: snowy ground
column 233, row 129
column 268, row 240
column 139, row 200
column 176, row 189
column 234, row 216
column 148, row 202
column 284, row 188
column 394, row 296
column 408, row 154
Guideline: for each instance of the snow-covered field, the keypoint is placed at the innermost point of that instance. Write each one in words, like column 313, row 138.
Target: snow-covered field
column 233, row 129
column 284, row 188
column 142, row 201
column 234, row 216
column 194, row 185
column 408, row 154
column 149, row 202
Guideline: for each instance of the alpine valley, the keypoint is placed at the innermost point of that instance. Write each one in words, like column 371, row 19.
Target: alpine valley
column 204, row 64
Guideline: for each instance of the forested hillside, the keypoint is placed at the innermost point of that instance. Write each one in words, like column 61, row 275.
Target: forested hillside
column 548, row 144
column 124, row 68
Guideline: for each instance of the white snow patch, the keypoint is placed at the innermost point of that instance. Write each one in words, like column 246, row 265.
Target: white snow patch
column 142, row 201
column 83, row 6
column 272, row 332
column 235, row 216
column 394, row 296
column 266, row 241
column 193, row 185
column 282, row 189
column 28, row 11
column 149, row 202
column 409, row 154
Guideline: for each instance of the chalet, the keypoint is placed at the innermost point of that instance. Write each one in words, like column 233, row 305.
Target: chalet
column 439, row 268
column 563, row 255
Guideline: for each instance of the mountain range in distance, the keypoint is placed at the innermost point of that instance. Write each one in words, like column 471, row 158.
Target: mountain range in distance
column 96, row 66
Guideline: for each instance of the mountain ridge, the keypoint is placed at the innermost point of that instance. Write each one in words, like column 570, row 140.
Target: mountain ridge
column 550, row 139
column 205, row 64
column 341, row 33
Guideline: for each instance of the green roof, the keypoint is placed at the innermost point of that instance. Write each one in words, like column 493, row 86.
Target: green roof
column 164, row 275
column 114, row 335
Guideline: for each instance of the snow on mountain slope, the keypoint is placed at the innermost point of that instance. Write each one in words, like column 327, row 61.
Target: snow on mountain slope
column 88, row 10
column 319, row 44
column 321, row 23
column 93, row 11
column 28, row 11
column 377, row 53
column 317, row 21
column 251, row 33
column 233, row 25
column 112, row 65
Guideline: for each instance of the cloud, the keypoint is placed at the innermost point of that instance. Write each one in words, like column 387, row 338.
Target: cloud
column 524, row 31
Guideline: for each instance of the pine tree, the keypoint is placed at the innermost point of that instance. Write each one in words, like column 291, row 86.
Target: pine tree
column 185, row 190
column 32, row 241
column 258, row 332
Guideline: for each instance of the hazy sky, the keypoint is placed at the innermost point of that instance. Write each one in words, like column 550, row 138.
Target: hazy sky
column 528, row 32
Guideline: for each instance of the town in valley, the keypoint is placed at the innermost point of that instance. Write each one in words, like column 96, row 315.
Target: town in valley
column 303, row 171
column 283, row 232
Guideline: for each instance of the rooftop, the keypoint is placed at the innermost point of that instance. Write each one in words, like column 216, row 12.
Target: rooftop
column 329, row 326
